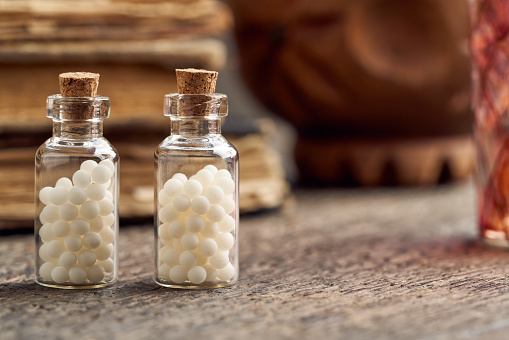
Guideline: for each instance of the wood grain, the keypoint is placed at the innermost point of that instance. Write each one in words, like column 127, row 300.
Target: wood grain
column 339, row 264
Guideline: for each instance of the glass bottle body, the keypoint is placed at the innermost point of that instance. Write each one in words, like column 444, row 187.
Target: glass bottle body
column 76, row 203
column 196, row 204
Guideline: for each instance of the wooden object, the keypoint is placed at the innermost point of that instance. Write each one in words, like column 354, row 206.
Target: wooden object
column 384, row 264
column 193, row 81
column 78, row 84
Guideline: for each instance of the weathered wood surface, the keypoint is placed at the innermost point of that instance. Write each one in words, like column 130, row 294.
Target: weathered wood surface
column 339, row 264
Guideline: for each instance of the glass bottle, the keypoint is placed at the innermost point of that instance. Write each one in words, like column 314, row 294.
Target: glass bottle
column 76, row 197
column 196, row 196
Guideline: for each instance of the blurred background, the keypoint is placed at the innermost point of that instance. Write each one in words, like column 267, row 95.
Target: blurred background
column 322, row 92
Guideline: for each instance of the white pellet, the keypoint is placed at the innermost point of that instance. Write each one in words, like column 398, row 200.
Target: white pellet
column 227, row 224
column 216, row 213
column 178, row 274
column 195, row 223
column 168, row 214
column 205, row 177
column 55, row 248
column 91, row 240
column 68, row 212
column 77, row 275
column 107, row 185
column 227, row 184
column 211, row 230
column 60, row 228
column 211, row 273
column 108, row 265
column 109, row 164
column 96, row 224
column 189, row 241
column 222, row 174
column 95, row 274
column 207, row 247
column 80, row 226
column 87, row 258
column 188, row 258
column 163, row 232
column 45, row 271
column 67, row 259
column 228, row 204
column 108, row 220
column 45, row 233
column 163, row 198
column 50, row 213
column 89, row 210
column 200, row 205
column 211, row 168
column 73, row 242
column 176, row 229
column 197, row 275
column 170, row 257
column 181, row 177
column 192, row 188
column 107, row 235
column 43, row 253
column 106, row 207
column 77, row 195
column 44, row 195
column 173, row 187
column 163, row 272
column 101, row 174
column 64, row 182
column 60, row 274
column 96, row 192
column 225, row 241
column 81, row 178
column 58, row 195
column 181, row 202
column 214, row 194
column 88, row 165
column 103, row 252
column 108, row 194
column 226, row 273
column 220, row 259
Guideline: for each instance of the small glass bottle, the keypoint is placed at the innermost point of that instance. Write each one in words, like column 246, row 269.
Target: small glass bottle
column 76, row 196
column 196, row 200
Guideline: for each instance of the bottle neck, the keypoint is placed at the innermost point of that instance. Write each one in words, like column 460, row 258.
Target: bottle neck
column 78, row 129
column 195, row 127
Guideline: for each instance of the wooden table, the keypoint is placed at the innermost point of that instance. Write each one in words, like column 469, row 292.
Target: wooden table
column 338, row 264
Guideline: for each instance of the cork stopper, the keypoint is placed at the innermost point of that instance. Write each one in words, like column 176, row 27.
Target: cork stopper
column 194, row 81
column 78, row 84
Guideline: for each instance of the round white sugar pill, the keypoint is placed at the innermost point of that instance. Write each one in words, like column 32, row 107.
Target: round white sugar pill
column 88, row 165
column 228, row 204
column 45, row 233
column 81, row 178
column 73, row 242
column 220, row 259
column 109, row 164
column 45, row 271
column 168, row 214
column 211, row 168
column 103, row 252
column 44, row 195
column 55, row 248
column 43, row 253
column 107, row 235
column 192, row 188
column 207, row 247
column 60, row 228
column 200, row 205
column 96, row 192
column 50, row 213
column 64, row 182
column 178, row 274
column 109, row 220
column 89, row 210
column 68, row 211
column 197, row 275
column 163, row 232
column 181, row 203
column 177, row 245
column 60, row 274
column 189, row 241
column 95, row 274
column 108, row 265
column 211, row 230
column 173, row 187
column 101, row 174
column 216, row 213
column 227, row 184
column 87, row 258
column 195, row 223
column 226, row 273
column 180, row 176
column 214, row 194
column 188, row 258
column 105, row 207
column 163, row 199
column 77, row 275
column 58, row 195
column 77, row 196
column 223, row 173
column 91, row 240
column 163, row 272
column 227, row 224
column 96, row 224
column 67, row 259
column 80, row 226
column 205, row 177
column 170, row 257
column 176, row 229
column 107, row 185
column 42, row 219
column 225, row 241
column 211, row 273
column 108, row 194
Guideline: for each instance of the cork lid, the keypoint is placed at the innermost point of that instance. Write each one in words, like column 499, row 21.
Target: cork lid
column 195, row 81
column 78, row 84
